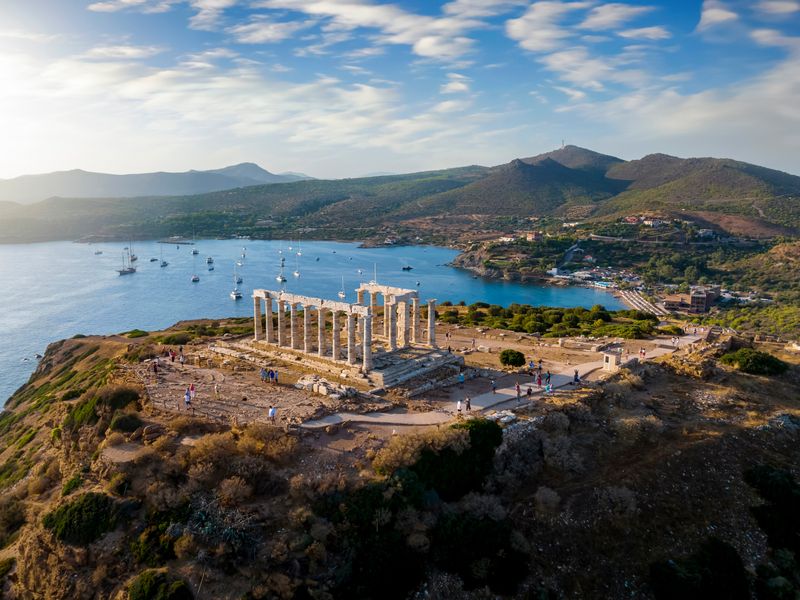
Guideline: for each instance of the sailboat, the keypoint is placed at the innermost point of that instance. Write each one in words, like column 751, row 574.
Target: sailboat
column 244, row 252
column 280, row 278
column 375, row 273
column 341, row 294
column 299, row 249
column 127, row 267
column 163, row 262
column 296, row 272
column 195, row 251
column 236, row 294
column 131, row 256
column 195, row 277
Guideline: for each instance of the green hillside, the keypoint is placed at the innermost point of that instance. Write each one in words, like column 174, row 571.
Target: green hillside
column 552, row 184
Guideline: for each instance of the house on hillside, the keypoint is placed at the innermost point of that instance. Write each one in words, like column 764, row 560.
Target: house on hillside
column 698, row 300
column 533, row 236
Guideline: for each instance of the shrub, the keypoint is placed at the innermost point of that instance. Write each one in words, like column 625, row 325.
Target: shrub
column 72, row 484
column 12, row 517
column 233, row 491
column 126, row 422
column 72, row 394
column 714, row 571
column 157, row 585
column 84, row 519
column 512, row 358
column 136, row 333
column 116, row 397
column 177, row 339
column 754, row 362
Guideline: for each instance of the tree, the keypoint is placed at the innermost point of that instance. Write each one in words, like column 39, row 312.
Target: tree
column 512, row 358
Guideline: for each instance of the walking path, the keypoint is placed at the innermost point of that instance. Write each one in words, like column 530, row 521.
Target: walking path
column 639, row 302
column 482, row 402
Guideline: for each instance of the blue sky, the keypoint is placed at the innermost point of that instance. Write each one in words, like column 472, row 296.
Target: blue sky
column 338, row 88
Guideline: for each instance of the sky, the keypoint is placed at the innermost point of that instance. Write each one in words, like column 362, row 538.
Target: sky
column 343, row 88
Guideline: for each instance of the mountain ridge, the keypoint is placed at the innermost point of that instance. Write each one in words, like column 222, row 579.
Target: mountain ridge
column 28, row 189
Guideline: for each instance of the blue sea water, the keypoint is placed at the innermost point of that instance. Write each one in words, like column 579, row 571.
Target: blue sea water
column 55, row 290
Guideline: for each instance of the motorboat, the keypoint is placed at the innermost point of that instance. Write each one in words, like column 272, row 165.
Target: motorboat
column 195, row 278
column 407, row 268
column 209, row 261
column 236, row 294
column 153, row 260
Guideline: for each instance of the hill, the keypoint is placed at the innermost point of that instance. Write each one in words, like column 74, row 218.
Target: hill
column 572, row 183
column 84, row 184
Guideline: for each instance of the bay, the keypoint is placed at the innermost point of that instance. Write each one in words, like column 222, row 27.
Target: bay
column 56, row 290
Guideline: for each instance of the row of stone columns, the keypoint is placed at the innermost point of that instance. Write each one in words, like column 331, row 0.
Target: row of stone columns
column 352, row 320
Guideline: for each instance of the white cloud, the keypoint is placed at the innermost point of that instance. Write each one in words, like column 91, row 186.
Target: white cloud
column 262, row 30
column 771, row 37
column 778, row 7
column 573, row 94
column 27, row 36
column 715, row 12
column 538, row 29
column 145, row 6
column 480, row 8
column 646, row 33
column 457, row 84
column 208, row 13
column 611, row 16
column 124, row 52
column 439, row 38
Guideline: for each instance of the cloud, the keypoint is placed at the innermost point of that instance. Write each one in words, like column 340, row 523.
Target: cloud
column 778, row 7
column 262, row 30
column 572, row 93
column 27, row 36
column 145, row 6
column 646, row 33
column 538, row 29
column 480, row 8
column 611, row 16
column 771, row 37
column 713, row 13
column 440, row 38
column 207, row 17
column 124, row 52
column 457, row 84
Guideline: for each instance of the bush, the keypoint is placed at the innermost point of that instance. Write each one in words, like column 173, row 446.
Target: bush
column 157, row 585
column 125, row 422
column 72, row 484
column 136, row 333
column 177, row 339
column 754, row 362
column 84, row 519
column 512, row 358
column 72, row 394
column 116, row 397
column 12, row 517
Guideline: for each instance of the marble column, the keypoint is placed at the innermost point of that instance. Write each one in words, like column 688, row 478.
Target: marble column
column 367, row 336
column 432, row 323
column 388, row 307
column 392, row 327
column 321, row 312
column 268, row 319
column 416, row 325
column 281, row 324
column 257, row 333
column 351, row 339
column 360, row 296
column 306, row 330
column 405, row 323
column 336, row 342
column 293, row 328
column 373, row 302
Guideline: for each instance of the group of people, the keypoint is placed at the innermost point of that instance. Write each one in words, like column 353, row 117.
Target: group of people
column 270, row 375
column 467, row 405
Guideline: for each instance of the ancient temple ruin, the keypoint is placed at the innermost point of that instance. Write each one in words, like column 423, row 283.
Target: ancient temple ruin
column 401, row 327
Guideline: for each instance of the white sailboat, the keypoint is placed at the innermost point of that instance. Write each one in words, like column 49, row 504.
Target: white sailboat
column 237, row 279
column 281, row 278
column 296, row 272
column 341, row 294
column 299, row 249
column 195, row 251
column 163, row 262
column 127, row 267
column 132, row 258
column 195, row 277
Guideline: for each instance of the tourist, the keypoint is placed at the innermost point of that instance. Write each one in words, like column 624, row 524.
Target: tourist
column 263, row 375
column 494, row 386
column 547, row 378
column 155, row 369
column 539, row 381
column 183, row 360
column 192, row 391
column 180, row 349
column 473, row 343
column 458, row 408
column 531, row 367
column 518, row 390
column 548, row 389
column 461, row 379
column 449, row 349
column 187, row 399
column 540, row 365
column 275, row 377
column 467, row 404
column 216, row 391
column 576, row 378
column 271, row 414
column 171, row 356
column 530, row 393
column 271, row 375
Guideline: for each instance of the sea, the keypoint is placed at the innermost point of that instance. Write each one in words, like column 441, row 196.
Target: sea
column 55, row 290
